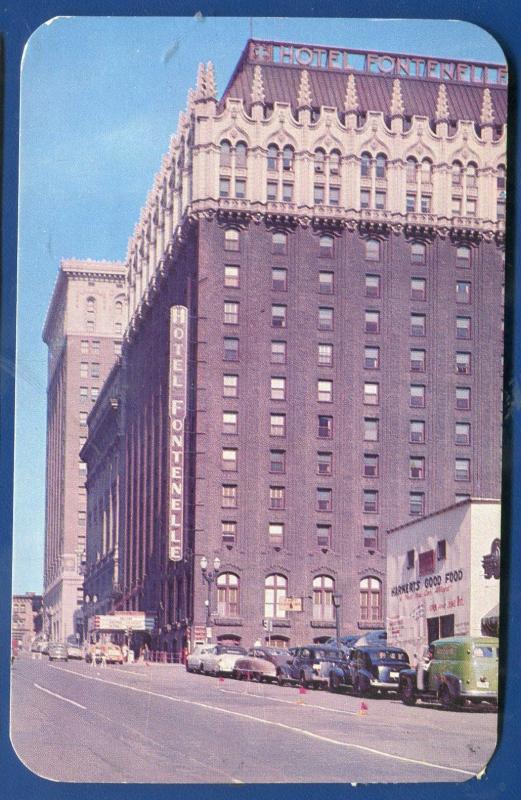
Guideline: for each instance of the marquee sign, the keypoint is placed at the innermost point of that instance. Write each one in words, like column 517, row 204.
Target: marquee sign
column 376, row 63
column 177, row 401
column 133, row 620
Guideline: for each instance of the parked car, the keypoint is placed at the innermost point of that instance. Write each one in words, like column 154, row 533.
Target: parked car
column 377, row 669
column 104, row 651
column 57, row 651
column 346, row 642
column 311, row 665
column 376, row 638
column 193, row 661
column 74, row 650
column 261, row 663
column 340, row 675
column 38, row 645
column 220, row 660
column 454, row 671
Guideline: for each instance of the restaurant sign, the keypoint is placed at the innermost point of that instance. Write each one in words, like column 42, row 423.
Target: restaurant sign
column 177, row 401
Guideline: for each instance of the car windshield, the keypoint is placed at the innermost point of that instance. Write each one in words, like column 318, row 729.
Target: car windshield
column 240, row 650
column 485, row 651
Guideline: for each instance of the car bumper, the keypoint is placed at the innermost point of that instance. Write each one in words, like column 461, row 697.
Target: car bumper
column 390, row 686
column 479, row 695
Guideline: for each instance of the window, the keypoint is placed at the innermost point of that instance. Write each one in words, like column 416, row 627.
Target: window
column 118, row 328
column 83, row 417
column 372, row 286
column 462, row 398
column 372, row 322
column 370, row 599
column 271, row 190
column 334, row 162
column 231, row 239
column 425, row 203
column 416, row 509
column 370, row 465
column 417, row 324
column 227, row 595
column 418, row 289
column 365, row 165
column 229, row 459
column 471, row 207
column 324, row 463
column 371, row 394
column 325, row 319
column 229, row 495
column 287, row 192
column 426, row 563
column 278, row 461
column 426, row 170
column 410, row 202
column 84, row 392
column 501, row 208
column 326, row 245
column 81, row 517
column 365, row 198
column 84, row 347
column 94, row 392
column 273, row 153
column 381, row 165
column 277, row 424
column 276, row 534
column 94, row 370
column 279, row 280
column 456, row 173
column 279, row 243
column 241, row 153
column 230, row 421
column 471, row 175
column 278, row 316
column 463, row 257
column 117, row 348
column 228, row 531
column 501, row 177
column 277, row 497
column 416, row 467
column 278, row 352
column 323, row 588
column 240, row 187
column 231, row 349
column 370, row 537
column 224, row 187
column 417, row 360
column 441, row 549
column 372, row 357
column 318, row 193
column 463, row 328
column 370, row 501
column 325, row 391
column 325, row 355
column 84, row 369
column 230, row 385
column 325, row 282
column 324, row 536
column 410, row 170
column 372, row 250
column 462, row 433
column 417, row 396
column 418, row 253
column 410, row 559
column 324, row 499
column 278, row 388
column 379, row 200
column 463, row 363
column 462, row 469
column 95, row 345
column 456, row 206
column 231, row 313
column 462, row 292
column 417, row 431
column 287, row 158
column 225, row 158
column 370, row 430
column 275, row 591
column 325, row 427
column 334, row 195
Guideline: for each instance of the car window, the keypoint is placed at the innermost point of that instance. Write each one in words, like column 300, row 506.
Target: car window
column 484, row 651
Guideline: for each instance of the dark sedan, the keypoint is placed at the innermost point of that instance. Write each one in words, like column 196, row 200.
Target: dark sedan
column 312, row 664
column 377, row 669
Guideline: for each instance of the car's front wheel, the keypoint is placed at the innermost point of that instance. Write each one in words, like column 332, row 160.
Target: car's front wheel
column 447, row 700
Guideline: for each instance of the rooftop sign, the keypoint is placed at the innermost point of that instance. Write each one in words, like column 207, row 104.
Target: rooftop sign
column 375, row 63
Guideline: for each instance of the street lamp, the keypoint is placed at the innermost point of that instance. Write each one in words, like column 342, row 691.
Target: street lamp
column 209, row 576
column 337, row 600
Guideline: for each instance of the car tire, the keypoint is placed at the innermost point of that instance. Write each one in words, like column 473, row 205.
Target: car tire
column 448, row 702
column 334, row 683
column 303, row 682
column 280, row 679
column 407, row 694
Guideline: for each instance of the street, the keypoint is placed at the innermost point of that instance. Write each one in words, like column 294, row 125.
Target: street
column 72, row 721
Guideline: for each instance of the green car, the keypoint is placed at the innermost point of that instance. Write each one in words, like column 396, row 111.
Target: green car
column 453, row 671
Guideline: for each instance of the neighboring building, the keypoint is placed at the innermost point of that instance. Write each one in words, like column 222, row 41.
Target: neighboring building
column 27, row 618
column 83, row 330
column 438, row 583
column 336, row 236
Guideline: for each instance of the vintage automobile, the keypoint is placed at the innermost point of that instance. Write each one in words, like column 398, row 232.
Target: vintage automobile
column 376, row 669
column 220, row 660
column 57, row 651
column 107, row 652
column 193, row 661
column 454, row 671
column 311, row 664
column 377, row 638
column 346, row 642
column 261, row 664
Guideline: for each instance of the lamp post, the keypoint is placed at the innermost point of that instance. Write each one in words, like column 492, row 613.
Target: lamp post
column 337, row 600
column 210, row 577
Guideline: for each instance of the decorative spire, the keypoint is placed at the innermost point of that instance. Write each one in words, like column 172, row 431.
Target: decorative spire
column 397, row 108
column 257, row 86
column 487, row 108
column 442, row 104
column 304, row 91
column 200, row 82
column 351, row 98
column 190, row 101
column 210, row 86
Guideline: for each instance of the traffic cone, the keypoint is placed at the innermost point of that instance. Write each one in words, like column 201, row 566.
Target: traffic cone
column 221, row 679
column 364, row 708
column 301, row 690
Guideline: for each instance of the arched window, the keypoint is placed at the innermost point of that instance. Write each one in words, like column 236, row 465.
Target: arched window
column 91, row 305
column 381, row 165
column 323, row 588
column 456, row 173
column 279, row 243
column 228, row 595
column 273, row 154
column 426, row 171
column 241, row 151
column 326, row 245
column 410, row 169
column 225, row 153
column 334, row 162
column 418, row 250
column 275, row 590
column 320, row 158
column 372, row 250
column 365, row 165
column 371, row 599
column 287, row 158
column 231, row 239
column 472, row 171
column 118, row 308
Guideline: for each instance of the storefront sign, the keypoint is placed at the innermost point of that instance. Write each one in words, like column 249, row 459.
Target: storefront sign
column 430, row 582
column 177, row 414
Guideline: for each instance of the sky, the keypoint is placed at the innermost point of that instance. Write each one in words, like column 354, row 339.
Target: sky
column 100, row 98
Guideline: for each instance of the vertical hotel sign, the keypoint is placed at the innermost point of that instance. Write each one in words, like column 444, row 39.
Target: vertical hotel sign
column 177, row 398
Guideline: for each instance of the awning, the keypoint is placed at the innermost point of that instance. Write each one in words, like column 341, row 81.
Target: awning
column 490, row 622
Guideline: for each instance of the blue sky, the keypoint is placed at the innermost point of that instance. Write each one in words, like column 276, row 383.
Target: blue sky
column 100, row 100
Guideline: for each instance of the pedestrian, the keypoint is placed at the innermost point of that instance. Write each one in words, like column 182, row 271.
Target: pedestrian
column 124, row 651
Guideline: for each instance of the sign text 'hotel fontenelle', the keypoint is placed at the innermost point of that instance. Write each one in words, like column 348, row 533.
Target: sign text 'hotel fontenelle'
column 394, row 64
column 177, row 398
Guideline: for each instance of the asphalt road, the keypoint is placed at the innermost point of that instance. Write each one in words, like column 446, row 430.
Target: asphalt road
column 158, row 724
